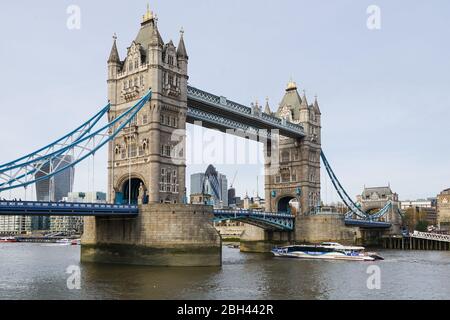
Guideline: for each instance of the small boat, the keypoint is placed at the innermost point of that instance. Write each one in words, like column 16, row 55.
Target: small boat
column 75, row 242
column 326, row 250
column 64, row 241
column 8, row 239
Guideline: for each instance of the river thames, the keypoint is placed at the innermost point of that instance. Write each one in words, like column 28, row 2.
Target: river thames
column 38, row 271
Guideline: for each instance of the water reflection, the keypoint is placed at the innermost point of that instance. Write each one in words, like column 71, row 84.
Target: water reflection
column 34, row 271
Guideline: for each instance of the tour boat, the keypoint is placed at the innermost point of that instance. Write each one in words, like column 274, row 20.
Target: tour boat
column 8, row 239
column 64, row 241
column 76, row 242
column 326, row 250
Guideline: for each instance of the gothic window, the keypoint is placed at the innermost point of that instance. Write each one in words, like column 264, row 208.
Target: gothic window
column 142, row 80
column 170, row 58
column 167, row 151
column 130, row 66
column 130, row 83
column 162, row 150
column 145, row 119
column 285, row 157
column 171, row 79
column 277, row 179
column 124, row 85
column 173, row 122
column 132, row 150
column 136, row 64
column 161, row 119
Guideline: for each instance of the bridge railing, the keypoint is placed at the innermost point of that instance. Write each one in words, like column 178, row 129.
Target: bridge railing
column 63, row 205
column 430, row 236
column 253, row 213
column 222, row 102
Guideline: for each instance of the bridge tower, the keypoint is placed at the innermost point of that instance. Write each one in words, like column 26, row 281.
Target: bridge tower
column 146, row 161
column 297, row 176
column 146, row 164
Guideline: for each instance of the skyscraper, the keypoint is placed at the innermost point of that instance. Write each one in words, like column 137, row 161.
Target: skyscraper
column 213, row 183
column 53, row 189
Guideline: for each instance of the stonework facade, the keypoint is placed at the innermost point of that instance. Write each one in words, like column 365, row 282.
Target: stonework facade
column 298, row 174
column 443, row 210
column 147, row 159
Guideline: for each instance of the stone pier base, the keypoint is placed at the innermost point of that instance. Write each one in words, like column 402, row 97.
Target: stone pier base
column 257, row 240
column 162, row 235
column 323, row 228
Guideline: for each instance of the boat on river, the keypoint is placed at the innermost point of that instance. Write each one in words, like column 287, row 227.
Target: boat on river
column 8, row 239
column 326, row 250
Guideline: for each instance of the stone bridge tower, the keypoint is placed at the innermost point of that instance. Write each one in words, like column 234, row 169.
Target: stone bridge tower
column 297, row 176
column 146, row 161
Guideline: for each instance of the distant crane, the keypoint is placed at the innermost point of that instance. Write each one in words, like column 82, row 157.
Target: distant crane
column 234, row 178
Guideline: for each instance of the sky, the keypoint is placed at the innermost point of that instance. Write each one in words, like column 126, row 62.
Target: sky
column 384, row 93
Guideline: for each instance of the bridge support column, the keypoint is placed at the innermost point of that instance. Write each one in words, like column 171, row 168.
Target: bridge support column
column 325, row 227
column 162, row 235
column 258, row 240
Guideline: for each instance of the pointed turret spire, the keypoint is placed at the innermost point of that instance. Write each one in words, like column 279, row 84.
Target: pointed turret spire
column 181, row 51
column 304, row 101
column 114, row 55
column 156, row 38
column 267, row 108
column 316, row 105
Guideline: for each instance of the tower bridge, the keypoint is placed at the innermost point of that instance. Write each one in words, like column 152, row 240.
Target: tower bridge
column 148, row 221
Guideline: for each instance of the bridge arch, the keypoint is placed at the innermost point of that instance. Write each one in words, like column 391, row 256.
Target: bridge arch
column 288, row 204
column 131, row 188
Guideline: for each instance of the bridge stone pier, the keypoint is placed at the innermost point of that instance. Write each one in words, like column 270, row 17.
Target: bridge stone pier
column 146, row 164
column 162, row 235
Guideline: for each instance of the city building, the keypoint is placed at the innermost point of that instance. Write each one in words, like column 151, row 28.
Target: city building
column 74, row 225
column 53, row 189
column 213, row 183
column 14, row 225
column 443, row 210
column 420, row 203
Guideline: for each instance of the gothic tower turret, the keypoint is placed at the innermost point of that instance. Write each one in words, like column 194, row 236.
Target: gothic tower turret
column 147, row 160
column 296, row 184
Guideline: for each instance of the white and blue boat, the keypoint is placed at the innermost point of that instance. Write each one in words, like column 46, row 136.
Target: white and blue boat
column 326, row 250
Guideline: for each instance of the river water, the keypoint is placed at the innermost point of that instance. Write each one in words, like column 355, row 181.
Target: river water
column 38, row 271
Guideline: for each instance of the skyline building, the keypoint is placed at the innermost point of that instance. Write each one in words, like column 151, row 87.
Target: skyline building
column 213, row 183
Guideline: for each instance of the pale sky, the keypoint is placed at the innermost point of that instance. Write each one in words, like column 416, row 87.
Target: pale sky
column 384, row 94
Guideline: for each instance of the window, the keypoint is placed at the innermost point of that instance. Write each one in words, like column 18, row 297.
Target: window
column 130, row 66
column 162, row 150
column 136, row 64
column 132, row 150
column 141, row 151
column 171, row 79
column 145, row 119
column 174, row 122
column 167, row 150
column 161, row 119
column 142, row 80
column 130, row 83
column 170, row 58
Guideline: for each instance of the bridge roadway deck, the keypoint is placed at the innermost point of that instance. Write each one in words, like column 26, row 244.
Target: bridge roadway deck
column 219, row 113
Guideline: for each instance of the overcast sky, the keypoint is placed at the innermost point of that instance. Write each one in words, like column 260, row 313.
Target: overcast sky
column 384, row 94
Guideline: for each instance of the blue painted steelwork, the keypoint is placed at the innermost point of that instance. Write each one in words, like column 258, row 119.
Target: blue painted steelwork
column 205, row 106
column 354, row 208
column 367, row 224
column 24, row 174
column 72, row 136
column 32, row 208
column 265, row 220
